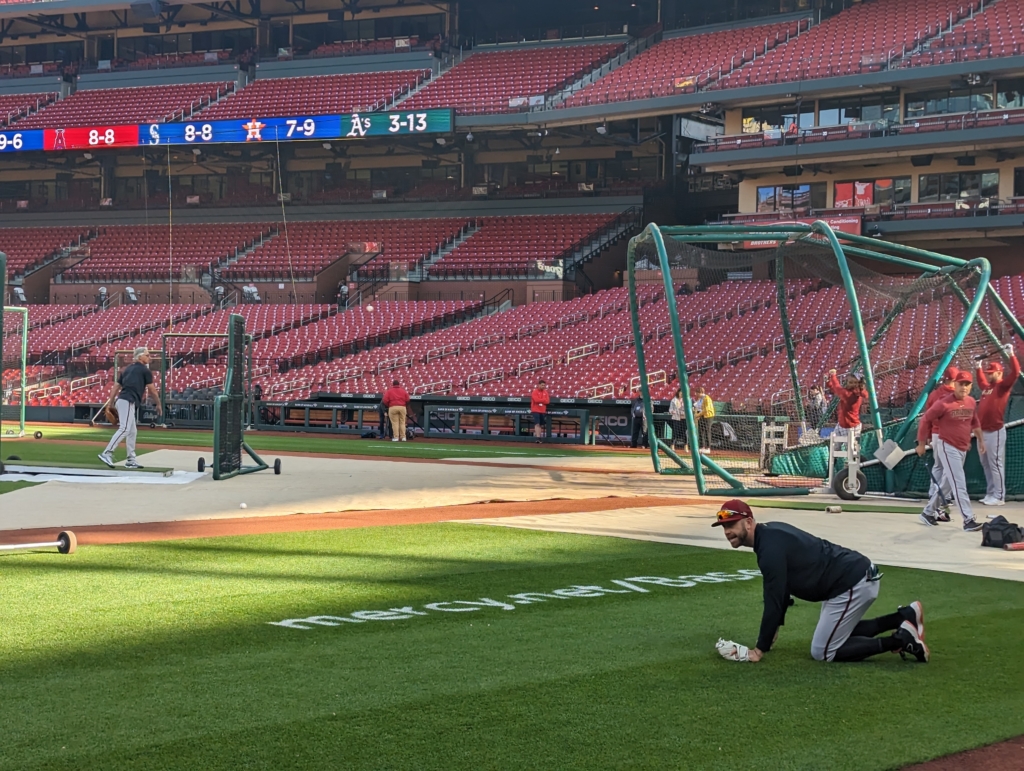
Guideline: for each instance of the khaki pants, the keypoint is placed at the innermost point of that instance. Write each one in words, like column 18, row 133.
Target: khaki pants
column 397, row 416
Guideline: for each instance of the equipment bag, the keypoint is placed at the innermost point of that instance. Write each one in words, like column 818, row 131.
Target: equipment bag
column 999, row 532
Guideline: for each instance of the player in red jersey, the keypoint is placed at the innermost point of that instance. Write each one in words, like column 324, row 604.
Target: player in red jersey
column 952, row 422
column 995, row 392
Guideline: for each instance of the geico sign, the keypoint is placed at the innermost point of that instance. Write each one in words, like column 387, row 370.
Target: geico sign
column 613, row 420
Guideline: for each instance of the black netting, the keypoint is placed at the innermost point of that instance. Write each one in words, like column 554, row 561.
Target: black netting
column 762, row 327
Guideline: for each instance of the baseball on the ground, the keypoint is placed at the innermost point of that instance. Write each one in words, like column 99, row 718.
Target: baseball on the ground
column 242, row 506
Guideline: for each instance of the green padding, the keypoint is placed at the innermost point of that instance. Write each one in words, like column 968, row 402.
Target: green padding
column 913, row 473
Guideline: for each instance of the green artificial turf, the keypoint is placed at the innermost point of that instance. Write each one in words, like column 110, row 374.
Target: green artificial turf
column 6, row 487
column 267, row 441
column 159, row 656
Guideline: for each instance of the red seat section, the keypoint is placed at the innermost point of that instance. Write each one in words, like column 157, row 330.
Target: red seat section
column 15, row 106
column 27, row 247
column 151, row 252
column 260, row 321
column 486, row 82
column 511, row 245
column 996, row 31
column 309, row 247
column 682, row 64
column 318, row 95
column 863, row 38
column 81, row 333
column 115, row 106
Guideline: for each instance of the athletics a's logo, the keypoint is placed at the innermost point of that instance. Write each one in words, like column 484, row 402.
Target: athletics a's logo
column 253, row 129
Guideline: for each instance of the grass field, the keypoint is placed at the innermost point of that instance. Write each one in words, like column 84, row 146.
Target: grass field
column 161, row 656
column 54, row 436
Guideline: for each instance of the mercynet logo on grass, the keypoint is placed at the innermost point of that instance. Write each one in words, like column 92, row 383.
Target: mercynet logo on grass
column 625, row 586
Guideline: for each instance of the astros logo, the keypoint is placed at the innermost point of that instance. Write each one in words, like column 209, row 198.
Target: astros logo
column 253, row 129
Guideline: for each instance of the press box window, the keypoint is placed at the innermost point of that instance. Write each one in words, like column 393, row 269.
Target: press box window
column 957, row 186
column 792, row 198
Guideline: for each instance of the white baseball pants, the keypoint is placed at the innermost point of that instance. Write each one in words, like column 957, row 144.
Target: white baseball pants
column 950, row 462
column 128, row 430
column 994, row 462
column 839, row 616
column 936, row 475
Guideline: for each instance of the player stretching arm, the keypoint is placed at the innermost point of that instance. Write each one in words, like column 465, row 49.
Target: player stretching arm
column 996, row 386
column 797, row 564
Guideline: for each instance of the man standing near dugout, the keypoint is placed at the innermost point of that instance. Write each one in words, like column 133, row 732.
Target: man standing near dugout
column 942, row 391
column 950, row 422
column 996, row 386
column 126, row 396
column 794, row 563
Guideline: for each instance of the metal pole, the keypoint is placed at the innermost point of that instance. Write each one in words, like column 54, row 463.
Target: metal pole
column 823, row 229
column 780, row 286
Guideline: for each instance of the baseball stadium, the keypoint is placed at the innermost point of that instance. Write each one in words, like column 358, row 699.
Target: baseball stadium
column 414, row 384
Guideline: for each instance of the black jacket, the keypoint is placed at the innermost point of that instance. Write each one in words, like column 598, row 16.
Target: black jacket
column 796, row 563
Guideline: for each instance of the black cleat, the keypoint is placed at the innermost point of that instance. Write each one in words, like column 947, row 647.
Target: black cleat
column 928, row 519
column 972, row 525
column 914, row 613
column 911, row 643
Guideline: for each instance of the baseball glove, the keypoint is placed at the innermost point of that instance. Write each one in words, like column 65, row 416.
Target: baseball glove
column 111, row 415
column 727, row 649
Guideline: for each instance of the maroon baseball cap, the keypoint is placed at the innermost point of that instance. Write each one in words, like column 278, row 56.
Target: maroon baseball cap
column 950, row 373
column 994, row 366
column 733, row 511
column 964, row 377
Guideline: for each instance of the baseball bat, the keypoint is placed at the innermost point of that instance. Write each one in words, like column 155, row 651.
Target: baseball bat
column 1014, row 546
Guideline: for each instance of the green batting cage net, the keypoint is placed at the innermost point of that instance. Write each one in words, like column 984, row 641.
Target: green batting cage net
column 229, row 411
column 14, row 385
column 756, row 320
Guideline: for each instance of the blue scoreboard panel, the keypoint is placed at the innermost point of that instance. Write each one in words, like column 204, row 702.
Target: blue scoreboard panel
column 254, row 129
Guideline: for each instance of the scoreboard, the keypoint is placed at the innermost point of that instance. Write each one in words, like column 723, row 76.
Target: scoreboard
column 251, row 130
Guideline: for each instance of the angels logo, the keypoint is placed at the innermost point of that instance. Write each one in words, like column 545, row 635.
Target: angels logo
column 253, row 129
column 58, row 140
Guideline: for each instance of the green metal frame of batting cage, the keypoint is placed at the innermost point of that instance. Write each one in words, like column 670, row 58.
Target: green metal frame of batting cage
column 24, row 358
column 233, row 399
column 24, row 344
column 926, row 262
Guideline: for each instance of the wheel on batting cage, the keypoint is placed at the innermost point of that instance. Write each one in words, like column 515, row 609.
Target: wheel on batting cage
column 38, row 434
column 847, row 488
column 277, row 466
column 201, row 465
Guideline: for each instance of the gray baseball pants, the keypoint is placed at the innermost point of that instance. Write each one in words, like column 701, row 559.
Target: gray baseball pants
column 839, row 617
column 128, row 430
column 994, row 462
column 950, row 460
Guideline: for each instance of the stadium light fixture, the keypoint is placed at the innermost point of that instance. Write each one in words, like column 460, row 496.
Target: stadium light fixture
column 87, row 156
column 441, row 141
column 602, row 129
column 326, row 145
column 196, row 151
column 469, row 136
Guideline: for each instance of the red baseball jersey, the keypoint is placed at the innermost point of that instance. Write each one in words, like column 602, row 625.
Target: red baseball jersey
column 940, row 392
column 850, row 401
column 994, row 396
column 953, row 420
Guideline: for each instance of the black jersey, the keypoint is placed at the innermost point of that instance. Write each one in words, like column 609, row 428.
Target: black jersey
column 795, row 563
column 133, row 382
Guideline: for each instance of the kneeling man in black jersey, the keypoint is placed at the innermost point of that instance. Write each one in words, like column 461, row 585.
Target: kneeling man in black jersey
column 797, row 564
